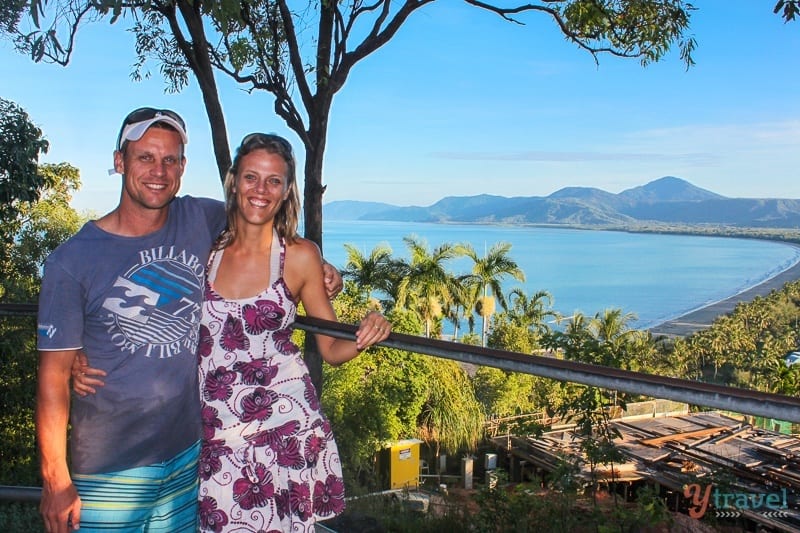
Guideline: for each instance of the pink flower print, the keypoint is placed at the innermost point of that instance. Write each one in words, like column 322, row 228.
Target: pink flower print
column 283, row 341
column 264, row 315
column 206, row 342
column 300, row 500
column 254, row 488
column 288, row 452
column 211, row 421
column 217, row 385
column 282, row 505
column 310, row 393
column 233, row 337
column 329, row 496
column 313, row 447
column 271, row 437
column 258, row 405
column 210, row 454
column 326, row 427
column 257, row 372
column 211, row 518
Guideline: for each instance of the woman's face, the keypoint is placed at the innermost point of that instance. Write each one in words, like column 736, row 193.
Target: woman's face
column 261, row 186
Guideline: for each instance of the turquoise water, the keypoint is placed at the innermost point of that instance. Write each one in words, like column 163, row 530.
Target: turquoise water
column 656, row 277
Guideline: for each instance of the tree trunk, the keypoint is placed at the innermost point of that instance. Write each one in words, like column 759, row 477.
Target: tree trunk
column 197, row 55
column 219, row 131
column 312, row 192
column 312, row 216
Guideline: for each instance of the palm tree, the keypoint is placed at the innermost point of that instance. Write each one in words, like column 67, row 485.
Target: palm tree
column 611, row 326
column 532, row 312
column 575, row 338
column 487, row 274
column 427, row 286
column 462, row 299
column 397, row 272
column 613, row 337
column 369, row 272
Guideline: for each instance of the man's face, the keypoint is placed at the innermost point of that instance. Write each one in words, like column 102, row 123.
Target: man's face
column 152, row 168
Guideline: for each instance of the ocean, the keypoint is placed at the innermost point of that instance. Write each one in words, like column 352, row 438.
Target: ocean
column 654, row 276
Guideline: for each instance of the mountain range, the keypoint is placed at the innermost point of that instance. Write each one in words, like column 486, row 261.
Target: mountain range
column 668, row 200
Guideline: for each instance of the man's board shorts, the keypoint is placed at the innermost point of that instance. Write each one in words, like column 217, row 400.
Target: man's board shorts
column 157, row 498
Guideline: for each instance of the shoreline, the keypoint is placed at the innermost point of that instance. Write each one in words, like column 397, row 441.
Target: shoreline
column 691, row 321
column 702, row 318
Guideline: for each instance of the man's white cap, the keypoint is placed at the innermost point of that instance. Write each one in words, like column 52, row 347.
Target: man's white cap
column 139, row 120
column 134, row 131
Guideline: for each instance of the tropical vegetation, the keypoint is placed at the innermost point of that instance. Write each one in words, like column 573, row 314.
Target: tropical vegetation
column 35, row 217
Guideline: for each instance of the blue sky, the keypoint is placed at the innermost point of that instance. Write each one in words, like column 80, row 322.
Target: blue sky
column 461, row 103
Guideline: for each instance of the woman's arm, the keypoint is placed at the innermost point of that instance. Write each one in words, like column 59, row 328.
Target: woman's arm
column 303, row 273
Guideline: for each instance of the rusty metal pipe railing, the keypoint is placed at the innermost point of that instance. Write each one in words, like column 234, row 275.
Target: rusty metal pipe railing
column 733, row 399
column 20, row 494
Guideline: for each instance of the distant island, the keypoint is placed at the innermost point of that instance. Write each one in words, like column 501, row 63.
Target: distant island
column 666, row 204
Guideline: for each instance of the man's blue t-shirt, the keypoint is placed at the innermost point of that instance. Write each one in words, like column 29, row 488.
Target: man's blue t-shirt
column 133, row 304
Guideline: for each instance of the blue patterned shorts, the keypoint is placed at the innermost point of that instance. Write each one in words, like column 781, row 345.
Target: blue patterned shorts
column 157, row 498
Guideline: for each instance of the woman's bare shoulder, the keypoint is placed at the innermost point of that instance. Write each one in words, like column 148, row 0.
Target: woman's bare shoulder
column 303, row 249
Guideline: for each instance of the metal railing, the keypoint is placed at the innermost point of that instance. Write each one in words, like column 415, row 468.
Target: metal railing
column 733, row 399
column 20, row 494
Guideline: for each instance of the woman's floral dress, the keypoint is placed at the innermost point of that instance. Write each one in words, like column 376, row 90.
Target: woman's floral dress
column 268, row 461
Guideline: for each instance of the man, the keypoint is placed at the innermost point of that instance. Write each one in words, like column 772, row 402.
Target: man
column 127, row 289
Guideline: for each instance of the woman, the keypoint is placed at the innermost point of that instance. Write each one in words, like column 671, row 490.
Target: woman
column 268, row 460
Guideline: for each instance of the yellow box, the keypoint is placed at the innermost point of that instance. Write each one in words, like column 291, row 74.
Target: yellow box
column 402, row 460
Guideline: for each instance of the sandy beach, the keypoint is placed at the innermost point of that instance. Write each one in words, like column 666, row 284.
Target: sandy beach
column 704, row 317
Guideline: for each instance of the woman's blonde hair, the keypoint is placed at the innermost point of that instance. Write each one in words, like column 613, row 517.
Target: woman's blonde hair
column 287, row 217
